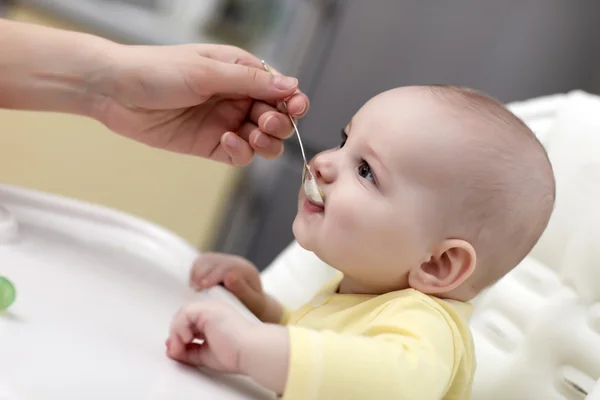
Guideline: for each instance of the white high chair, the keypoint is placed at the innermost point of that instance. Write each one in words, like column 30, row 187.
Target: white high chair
column 96, row 292
column 537, row 331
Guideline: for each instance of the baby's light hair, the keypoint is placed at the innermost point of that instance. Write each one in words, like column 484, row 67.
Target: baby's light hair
column 507, row 183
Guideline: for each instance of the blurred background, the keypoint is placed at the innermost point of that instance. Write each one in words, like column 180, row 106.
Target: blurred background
column 343, row 51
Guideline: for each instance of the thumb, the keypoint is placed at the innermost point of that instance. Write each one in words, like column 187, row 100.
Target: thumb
column 250, row 81
column 199, row 355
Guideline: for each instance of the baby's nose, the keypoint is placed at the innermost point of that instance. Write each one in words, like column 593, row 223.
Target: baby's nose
column 324, row 167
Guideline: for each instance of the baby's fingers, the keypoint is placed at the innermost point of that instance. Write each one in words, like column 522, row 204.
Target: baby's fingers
column 176, row 348
column 202, row 267
column 181, row 335
column 182, row 331
column 215, row 276
column 192, row 354
column 186, row 353
column 198, row 355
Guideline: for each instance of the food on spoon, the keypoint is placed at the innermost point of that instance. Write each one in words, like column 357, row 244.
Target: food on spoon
column 312, row 189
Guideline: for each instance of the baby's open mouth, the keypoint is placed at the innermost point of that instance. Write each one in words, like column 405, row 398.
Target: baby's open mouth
column 312, row 207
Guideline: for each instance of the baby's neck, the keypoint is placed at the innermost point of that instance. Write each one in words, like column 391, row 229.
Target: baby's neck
column 351, row 286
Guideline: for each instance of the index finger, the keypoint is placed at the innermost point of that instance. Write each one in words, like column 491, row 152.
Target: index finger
column 229, row 54
column 297, row 103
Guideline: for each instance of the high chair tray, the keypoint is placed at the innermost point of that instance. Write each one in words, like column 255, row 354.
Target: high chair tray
column 96, row 291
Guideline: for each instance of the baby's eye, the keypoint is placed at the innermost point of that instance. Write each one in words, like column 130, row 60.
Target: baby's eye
column 344, row 138
column 364, row 171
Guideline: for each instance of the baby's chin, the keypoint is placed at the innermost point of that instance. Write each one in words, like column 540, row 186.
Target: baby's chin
column 306, row 237
column 301, row 234
column 309, row 241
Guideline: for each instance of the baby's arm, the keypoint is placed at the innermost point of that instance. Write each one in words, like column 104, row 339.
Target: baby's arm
column 327, row 365
column 410, row 355
column 406, row 352
column 242, row 279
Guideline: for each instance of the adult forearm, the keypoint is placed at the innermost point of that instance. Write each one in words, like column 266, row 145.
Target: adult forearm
column 47, row 69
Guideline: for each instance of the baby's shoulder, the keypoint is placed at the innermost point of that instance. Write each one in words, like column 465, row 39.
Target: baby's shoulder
column 407, row 298
column 415, row 307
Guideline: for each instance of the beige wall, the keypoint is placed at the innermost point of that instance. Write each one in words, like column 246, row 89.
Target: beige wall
column 80, row 158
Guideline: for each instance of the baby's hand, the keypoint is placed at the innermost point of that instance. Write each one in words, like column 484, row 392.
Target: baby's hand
column 230, row 343
column 222, row 330
column 237, row 274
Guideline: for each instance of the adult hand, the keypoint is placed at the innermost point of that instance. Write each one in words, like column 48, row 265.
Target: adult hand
column 213, row 101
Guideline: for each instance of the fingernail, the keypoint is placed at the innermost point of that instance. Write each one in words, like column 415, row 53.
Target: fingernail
column 284, row 82
column 261, row 140
column 302, row 110
column 272, row 124
column 231, row 140
column 204, row 283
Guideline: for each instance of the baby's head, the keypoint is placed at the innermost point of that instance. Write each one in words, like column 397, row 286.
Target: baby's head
column 437, row 188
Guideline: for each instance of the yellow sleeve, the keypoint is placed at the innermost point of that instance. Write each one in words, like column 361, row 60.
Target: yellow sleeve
column 406, row 354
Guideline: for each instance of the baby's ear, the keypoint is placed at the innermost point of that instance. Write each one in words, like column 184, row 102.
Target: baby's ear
column 449, row 266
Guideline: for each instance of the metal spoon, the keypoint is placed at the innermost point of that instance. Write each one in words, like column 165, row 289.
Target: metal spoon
column 309, row 183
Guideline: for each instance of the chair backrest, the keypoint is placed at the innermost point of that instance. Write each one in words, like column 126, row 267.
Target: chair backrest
column 295, row 276
column 537, row 331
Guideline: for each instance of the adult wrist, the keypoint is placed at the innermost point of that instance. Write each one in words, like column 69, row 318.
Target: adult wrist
column 95, row 76
column 46, row 69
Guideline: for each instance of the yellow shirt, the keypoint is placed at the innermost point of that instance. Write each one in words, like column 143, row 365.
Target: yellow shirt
column 402, row 345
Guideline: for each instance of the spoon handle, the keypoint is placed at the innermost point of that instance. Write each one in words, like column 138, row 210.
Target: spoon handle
column 291, row 119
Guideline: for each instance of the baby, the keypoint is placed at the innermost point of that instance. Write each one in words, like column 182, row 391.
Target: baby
column 434, row 194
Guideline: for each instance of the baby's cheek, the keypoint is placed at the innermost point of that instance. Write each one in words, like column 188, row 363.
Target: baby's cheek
column 344, row 216
column 366, row 225
column 349, row 225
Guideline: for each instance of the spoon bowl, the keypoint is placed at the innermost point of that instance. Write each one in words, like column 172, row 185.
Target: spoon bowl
column 310, row 186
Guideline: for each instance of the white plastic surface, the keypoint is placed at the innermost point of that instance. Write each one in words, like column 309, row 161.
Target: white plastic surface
column 595, row 394
column 96, row 291
column 537, row 332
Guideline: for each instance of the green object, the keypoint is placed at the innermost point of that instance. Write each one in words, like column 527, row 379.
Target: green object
column 7, row 293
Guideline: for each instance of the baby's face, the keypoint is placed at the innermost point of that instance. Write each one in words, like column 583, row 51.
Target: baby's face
column 379, row 213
